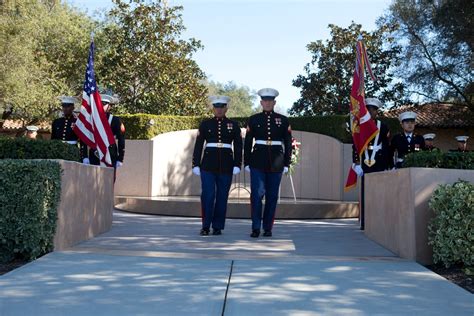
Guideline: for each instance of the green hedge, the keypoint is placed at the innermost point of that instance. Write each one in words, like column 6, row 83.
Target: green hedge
column 437, row 159
column 451, row 231
column 147, row 126
column 29, row 198
column 23, row 148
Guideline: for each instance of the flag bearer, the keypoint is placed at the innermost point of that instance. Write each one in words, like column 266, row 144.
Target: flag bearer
column 117, row 149
column 377, row 155
column 222, row 142
column 266, row 159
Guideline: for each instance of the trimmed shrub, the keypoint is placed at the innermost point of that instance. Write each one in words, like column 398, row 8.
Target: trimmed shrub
column 23, row 148
column 29, row 198
column 437, row 159
column 147, row 126
column 451, row 231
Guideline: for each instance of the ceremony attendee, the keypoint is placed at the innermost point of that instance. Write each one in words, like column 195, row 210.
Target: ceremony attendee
column 462, row 144
column 377, row 155
column 429, row 142
column 117, row 149
column 62, row 128
column 407, row 141
column 266, row 160
column 216, row 166
column 31, row 132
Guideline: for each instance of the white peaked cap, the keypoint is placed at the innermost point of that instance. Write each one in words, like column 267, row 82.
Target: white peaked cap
column 32, row 128
column 68, row 100
column 268, row 92
column 219, row 99
column 107, row 98
column 407, row 116
column 373, row 102
column 462, row 138
column 429, row 136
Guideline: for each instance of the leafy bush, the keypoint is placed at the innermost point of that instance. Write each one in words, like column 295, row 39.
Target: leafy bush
column 23, row 148
column 458, row 160
column 29, row 199
column 437, row 159
column 451, row 231
column 147, row 126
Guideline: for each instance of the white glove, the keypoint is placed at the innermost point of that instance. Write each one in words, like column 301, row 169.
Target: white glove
column 247, row 168
column 285, row 170
column 118, row 164
column 236, row 170
column 358, row 170
column 197, row 171
column 86, row 161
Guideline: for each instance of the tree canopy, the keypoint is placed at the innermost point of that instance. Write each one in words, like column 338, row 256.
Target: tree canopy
column 145, row 61
column 41, row 55
column 326, row 85
column 437, row 40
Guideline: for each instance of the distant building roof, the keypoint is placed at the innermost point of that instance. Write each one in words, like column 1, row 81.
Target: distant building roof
column 437, row 115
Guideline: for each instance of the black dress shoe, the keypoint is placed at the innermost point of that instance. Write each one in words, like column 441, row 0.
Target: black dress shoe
column 216, row 232
column 255, row 233
column 267, row 233
column 204, row 232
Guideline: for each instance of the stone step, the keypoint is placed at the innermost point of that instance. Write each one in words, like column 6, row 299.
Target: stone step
column 190, row 206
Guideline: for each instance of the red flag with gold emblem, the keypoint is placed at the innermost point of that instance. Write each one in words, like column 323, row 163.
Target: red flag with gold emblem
column 363, row 128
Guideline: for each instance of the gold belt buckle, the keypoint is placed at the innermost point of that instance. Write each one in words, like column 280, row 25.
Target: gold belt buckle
column 220, row 145
column 269, row 142
column 369, row 162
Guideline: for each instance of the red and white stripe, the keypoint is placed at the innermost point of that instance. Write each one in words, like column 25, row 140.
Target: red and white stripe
column 93, row 128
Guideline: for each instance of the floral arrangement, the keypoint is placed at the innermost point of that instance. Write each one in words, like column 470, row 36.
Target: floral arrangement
column 295, row 155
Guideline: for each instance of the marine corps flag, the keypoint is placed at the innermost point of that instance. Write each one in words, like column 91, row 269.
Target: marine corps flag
column 363, row 129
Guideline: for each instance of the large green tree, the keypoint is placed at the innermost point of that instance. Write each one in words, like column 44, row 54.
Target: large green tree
column 437, row 41
column 326, row 85
column 144, row 60
column 43, row 50
column 242, row 98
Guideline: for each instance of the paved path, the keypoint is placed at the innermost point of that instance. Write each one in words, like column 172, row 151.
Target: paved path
column 149, row 265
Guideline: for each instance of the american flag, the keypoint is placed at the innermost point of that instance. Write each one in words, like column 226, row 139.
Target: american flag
column 92, row 126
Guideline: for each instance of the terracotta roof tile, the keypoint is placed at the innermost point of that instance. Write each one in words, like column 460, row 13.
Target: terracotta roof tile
column 437, row 115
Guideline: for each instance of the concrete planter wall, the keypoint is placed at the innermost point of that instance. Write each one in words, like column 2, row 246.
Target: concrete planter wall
column 396, row 208
column 86, row 205
column 162, row 167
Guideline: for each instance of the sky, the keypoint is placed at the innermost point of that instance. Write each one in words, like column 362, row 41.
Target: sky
column 262, row 43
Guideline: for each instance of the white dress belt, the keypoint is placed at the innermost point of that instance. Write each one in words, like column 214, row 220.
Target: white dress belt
column 70, row 142
column 219, row 145
column 269, row 142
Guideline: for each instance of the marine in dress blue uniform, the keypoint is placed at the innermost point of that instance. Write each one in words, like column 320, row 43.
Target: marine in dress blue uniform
column 429, row 142
column 216, row 166
column 267, row 155
column 377, row 155
column 407, row 141
column 62, row 128
column 462, row 144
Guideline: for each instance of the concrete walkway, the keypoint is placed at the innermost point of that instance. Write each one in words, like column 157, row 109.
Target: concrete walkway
column 149, row 265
